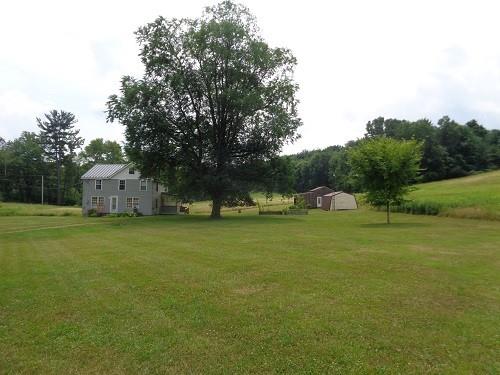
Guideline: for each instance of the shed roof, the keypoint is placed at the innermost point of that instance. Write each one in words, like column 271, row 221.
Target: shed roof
column 319, row 187
column 332, row 194
column 103, row 171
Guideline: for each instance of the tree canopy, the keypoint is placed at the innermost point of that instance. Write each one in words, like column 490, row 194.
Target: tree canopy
column 100, row 151
column 59, row 140
column 215, row 106
column 385, row 168
column 449, row 149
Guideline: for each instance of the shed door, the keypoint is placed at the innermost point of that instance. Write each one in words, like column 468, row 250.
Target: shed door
column 318, row 201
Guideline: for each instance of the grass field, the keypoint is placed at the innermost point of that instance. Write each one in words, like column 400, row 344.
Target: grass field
column 277, row 202
column 476, row 197
column 22, row 209
column 329, row 292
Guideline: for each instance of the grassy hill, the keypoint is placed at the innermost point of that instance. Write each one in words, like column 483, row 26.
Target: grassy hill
column 476, row 196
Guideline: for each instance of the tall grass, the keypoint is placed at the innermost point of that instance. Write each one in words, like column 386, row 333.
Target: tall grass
column 25, row 209
column 419, row 208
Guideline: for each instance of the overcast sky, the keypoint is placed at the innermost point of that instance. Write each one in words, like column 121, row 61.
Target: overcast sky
column 356, row 60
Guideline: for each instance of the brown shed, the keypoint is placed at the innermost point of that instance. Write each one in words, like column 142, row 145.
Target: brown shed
column 314, row 197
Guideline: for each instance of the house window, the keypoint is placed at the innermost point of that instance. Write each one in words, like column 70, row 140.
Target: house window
column 97, row 202
column 131, row 170
column 144, row 185
column 132, row 202
column 318, row 201
column 121, row 185
column 98, row 184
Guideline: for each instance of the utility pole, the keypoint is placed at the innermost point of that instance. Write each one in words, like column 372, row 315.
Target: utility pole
column 42, row 189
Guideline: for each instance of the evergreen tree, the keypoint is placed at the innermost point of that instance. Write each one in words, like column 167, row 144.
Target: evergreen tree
column 59, row 140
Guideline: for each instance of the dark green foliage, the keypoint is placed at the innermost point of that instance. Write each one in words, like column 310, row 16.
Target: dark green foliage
column 59, row 141
column 100, row 151
column 418, row 208
column 214, row 107
column 326, row 167
column 23, row 163
column 385, row 169
column 299, row 203
column 449, row 149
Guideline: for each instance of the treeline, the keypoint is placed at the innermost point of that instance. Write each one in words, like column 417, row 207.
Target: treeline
column 450, row 150
column 55, row 153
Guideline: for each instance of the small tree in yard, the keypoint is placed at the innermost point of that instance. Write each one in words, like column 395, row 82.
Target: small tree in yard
column 215, row 106
column 385, row 168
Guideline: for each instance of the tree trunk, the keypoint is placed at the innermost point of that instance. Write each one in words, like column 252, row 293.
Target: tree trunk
column 58, row 167
column 388, row 213
column 216, row 206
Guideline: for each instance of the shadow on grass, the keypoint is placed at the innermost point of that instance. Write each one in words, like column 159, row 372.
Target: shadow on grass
column 395, row 225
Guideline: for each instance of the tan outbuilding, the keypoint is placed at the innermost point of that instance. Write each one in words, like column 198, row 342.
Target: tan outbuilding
column 338, row 200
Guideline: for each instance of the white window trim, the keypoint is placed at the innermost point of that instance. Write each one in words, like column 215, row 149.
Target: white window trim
column 95, row 182
column 132, row 206
column 131, row 169
column 124, row 185
column 97, row 198
column 140, row 184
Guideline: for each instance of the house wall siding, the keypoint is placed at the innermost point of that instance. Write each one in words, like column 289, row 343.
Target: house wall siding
column 110, row 188
column 311, row 196
column 124, row 175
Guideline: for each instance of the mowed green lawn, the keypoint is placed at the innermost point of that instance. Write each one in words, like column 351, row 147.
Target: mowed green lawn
column 329, row 292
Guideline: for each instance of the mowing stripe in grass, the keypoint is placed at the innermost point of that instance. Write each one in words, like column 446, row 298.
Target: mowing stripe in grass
column 52, row 227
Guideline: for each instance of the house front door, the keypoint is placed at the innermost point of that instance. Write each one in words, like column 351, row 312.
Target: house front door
column 113, row 204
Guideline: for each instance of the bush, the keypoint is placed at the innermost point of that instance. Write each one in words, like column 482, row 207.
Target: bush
column 299, row 203
column 126, row 214
column 419, row 208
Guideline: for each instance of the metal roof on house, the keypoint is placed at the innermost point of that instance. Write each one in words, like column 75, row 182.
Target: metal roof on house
column 103, row 171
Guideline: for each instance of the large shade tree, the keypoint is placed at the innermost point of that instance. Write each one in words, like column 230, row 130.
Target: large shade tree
column 215, row 106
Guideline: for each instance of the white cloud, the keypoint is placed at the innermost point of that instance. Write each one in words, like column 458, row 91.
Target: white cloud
column 356, row 60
